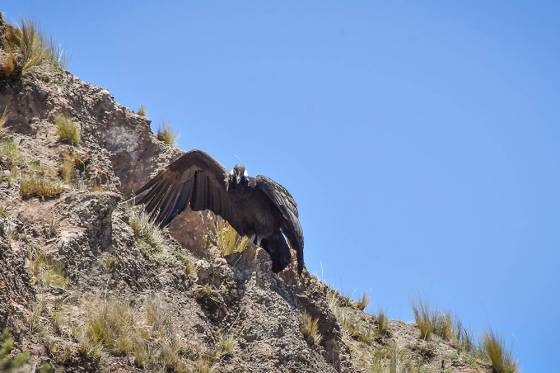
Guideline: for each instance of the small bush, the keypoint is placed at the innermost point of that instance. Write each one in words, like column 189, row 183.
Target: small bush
column 501, row 359
column 310, row 329
column 141, row 111
column 166, row 134
column 363, row 302
column 68, row 131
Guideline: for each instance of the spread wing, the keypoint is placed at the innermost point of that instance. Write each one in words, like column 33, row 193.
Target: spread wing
column 195, row 179
column 287, row 206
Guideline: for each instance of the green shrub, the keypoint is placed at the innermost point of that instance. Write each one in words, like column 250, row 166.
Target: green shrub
column 68, row 131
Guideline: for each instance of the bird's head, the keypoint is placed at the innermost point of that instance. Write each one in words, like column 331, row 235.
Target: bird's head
column 239, row 173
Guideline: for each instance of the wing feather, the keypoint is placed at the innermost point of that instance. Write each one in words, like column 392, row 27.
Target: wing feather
column 194, row 179
column 287, row 206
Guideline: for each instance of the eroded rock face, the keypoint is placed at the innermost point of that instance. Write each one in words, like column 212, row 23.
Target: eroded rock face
column 16, row 293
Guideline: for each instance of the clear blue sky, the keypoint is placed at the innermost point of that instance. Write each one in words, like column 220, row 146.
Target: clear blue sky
column 420, row 139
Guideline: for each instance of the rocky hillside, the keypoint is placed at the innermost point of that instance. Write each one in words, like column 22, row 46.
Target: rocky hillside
column 87, row 284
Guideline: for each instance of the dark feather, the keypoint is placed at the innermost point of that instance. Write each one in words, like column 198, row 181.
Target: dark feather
column 256, row 206
column 287, row 206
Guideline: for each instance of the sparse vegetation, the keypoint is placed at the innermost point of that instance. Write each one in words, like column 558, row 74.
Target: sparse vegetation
column 111, row 263
column 187, row 263
column 146, row 335
column 423, row 317
column 166, row 134
column 9, row 155
column 66, row 170
column 363, row 302
column 68, row 131
column 3, row 118
column 26, row 48
column 227, row 344
column 7, row 362
column 40, row 182
column 228, row 240
column 500, row 357
column 310, row 329
column 45, row 270
column 149, row 235
column 382, row 323
column 208, row 297
column 347, row 319
column 141, row 111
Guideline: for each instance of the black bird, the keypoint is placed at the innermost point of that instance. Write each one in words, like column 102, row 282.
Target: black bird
column 257, row 207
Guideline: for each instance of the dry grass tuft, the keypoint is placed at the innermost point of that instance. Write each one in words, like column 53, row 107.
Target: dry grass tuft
column 3, row 118
column 68, row 131
column 10, row 156
column 26, row 48
column 382, row 323
column 227, row 344
column 147, row 335
column 228, row 240
column 363, row 302
column 501, row 359
column 9, row 65
column 66, row 170
column 142, row 111
column 41, row 182
column 423, row 317
column 204, row 366
column 150, row 237
column 310, row 329
column 45, row 270
column 166, row 134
